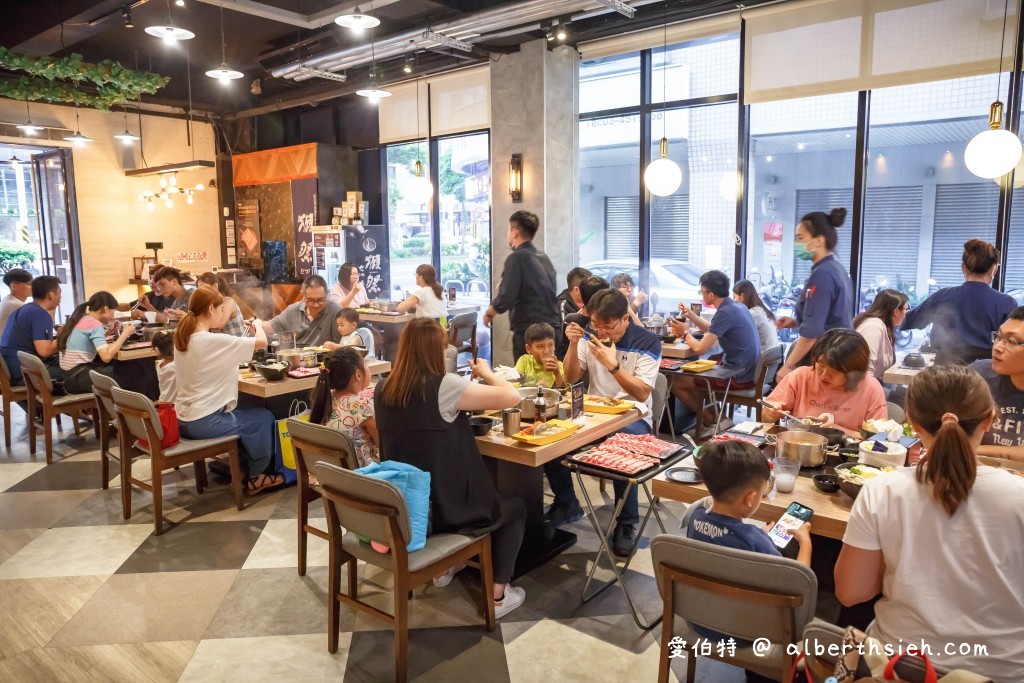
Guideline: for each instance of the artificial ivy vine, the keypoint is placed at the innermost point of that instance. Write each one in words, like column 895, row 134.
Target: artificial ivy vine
column 58, row 80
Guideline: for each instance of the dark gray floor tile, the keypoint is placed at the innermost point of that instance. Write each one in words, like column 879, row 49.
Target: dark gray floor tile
column 435, row 654
column 199, row 546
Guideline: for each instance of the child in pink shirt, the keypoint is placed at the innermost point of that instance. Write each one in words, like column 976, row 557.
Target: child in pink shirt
column 836, row 385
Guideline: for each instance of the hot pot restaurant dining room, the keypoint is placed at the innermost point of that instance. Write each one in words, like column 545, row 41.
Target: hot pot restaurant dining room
column 516, row 341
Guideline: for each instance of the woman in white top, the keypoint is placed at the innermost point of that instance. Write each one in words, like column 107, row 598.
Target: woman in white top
column 878, row 326
column 426, row 299
column 348, row 291
column 764, row 320
column 206, row 370
column 941, row 541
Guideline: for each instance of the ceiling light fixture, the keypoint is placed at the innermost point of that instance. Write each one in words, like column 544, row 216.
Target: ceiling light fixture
column 996, row 151
column 77, row 138
column 418, row 188
column 126, row 137
column 663, row 176
column 446, row 41
column 560, row 33
column 169, row 189
column 410, row 60
column 373, row 93
column 223, row 73
column 357, row 22
column 126, row 12
column 28, row 128
column 620, row 7
column 179, row 3
column 14, row 161
column 170, row 33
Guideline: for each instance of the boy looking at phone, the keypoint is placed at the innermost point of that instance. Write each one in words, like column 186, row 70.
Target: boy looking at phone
column 539, row 365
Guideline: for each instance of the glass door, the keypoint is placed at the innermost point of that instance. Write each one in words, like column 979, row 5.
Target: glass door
column 59, row 251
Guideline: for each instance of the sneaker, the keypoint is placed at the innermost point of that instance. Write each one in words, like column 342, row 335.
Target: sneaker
column 514, row 597
column 444, row 579
column 560, row 515
column 623, row 538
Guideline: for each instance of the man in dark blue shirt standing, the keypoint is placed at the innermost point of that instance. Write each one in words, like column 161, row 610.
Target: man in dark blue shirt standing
column 30, row 328
column 527, row 286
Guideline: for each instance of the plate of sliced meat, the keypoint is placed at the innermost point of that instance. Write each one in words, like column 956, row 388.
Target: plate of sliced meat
column 615, row 459
column 643, row 444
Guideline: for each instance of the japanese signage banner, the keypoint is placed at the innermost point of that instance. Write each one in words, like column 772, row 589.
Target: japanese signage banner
column 304, row 218
column 367, row 247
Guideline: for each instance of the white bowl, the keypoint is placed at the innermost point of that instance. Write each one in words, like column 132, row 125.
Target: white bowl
column 896, row 455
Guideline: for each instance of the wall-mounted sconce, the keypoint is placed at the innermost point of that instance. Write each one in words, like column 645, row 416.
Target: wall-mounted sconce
column 515, row 177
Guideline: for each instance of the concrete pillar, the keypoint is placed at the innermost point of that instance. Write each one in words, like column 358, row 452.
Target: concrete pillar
column 534, row 112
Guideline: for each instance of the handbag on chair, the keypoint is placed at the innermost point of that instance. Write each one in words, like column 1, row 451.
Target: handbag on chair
column 169, row 423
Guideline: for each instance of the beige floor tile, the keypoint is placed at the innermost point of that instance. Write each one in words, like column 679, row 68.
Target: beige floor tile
column 569, row 650
column 158, row 662
column 12, row 473
column 14, row 540
column 33, row 610
column 278, row 546
column 38, row 509
column 283, row 658
column 143, row 608
column 75, row 551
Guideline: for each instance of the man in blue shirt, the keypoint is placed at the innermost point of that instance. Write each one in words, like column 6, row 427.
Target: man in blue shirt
column 30, row 328
column 732, row 327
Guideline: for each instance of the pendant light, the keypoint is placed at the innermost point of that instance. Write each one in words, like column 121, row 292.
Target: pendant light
column 77, row 138
column 418, row 188
column 994, row 152
column 373, row 93
column 27, row 128
column 357, row 22
column 223, row 73
column 126, row 137
column 170, row 33
column 663, row 175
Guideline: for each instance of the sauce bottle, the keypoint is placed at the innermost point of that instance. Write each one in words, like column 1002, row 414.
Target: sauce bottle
column 540, row 407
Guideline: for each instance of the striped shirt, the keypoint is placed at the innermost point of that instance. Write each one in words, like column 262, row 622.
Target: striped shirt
column 85, row 341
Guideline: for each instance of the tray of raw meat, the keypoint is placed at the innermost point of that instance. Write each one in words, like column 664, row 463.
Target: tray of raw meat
column 614, row 459
column 643, row 444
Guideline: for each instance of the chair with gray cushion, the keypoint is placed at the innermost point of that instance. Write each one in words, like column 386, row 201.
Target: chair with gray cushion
column 764, row 374
column 137, row 419
column 830, row 638
column 742, row 594
column 462, row 334
column 313, row 443
column 895, row 412
column 9, row 394
column 106, row 424
column 376, row 509
column 40, row 396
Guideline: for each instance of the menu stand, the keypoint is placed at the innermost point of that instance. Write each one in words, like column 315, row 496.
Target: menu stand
column 641, row 480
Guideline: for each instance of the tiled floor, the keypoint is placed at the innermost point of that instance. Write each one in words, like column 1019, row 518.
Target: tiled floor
column 86, row 595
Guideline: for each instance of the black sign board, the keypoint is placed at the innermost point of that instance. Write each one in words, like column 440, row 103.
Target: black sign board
column 367, row 247
column 577, row 400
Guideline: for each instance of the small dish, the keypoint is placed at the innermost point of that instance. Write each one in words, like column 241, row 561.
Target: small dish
column 481, row 426
column 684, row 475
column 829, row 483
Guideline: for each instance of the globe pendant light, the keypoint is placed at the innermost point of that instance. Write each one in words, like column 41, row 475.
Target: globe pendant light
column 223, row 73
column 994, row 152
column 169, row 32
column 418, row 188
column 27, row 128
column 663, row 175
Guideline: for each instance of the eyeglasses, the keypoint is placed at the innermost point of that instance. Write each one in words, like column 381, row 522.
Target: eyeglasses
column 317, row 302
column 1010, row 343
column 605, row 327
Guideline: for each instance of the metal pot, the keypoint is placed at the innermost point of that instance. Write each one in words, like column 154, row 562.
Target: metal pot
column 527, row 394
column 298, row 358
column 807, row 447
column 149, row 330
column 384, row 305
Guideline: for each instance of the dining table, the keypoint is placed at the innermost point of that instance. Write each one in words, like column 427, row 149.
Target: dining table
column 391, row 324
column 898, row 373
column 252, row 383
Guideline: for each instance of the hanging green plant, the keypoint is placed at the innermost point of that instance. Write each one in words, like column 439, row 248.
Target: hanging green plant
column 59, row 80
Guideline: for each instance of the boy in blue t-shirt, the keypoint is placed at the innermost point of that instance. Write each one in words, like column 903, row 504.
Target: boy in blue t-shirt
column 736, row 475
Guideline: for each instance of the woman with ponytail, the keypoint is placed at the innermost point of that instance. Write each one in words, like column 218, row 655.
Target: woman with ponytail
column 826, row 301
column 427, row 298
column 339, row 403
column 941, row 541
column 206, row 370
column 83, row 338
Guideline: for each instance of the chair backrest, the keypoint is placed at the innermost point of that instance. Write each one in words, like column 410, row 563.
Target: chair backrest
column 767, row 366
column 462, row 330
column 101, row 386
column 137, row 415
column 362, row 504
column 378, row 341
column 451, row 359
column 658, row 399
column 315, row 443
column 5, row 377
column 740, row 593
column 895, row 412
column 37, row 377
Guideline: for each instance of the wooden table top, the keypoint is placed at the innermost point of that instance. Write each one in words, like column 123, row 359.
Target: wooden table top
column 136, row 354
column 900, row 375
column 598, row 425
column 457, row 309
column 831, row 510
column 257, row 386
column 677, row 349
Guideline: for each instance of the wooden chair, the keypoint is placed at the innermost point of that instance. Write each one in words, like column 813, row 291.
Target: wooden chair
column 376, row 509
column 8, row 395
column 895, row 412
column 742, row 594
column 137, row 419
column 106, row 423
column 764, row 374
column 462, row 335
column 378, row 341
column 313, row 443
column 40, row 396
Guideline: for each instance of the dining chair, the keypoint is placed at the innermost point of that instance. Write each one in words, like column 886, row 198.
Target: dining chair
column 40, row 398
column 313, row 443
column 378, row 341
column 764, row 374
column 895, row 412
column 742, row 594
column 462, row 335
column 830, row 639
column 106, row 421
column 9, row 394
column 376, row 509
column 137, row 419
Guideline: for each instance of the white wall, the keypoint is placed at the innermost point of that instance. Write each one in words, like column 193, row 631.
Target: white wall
column 113, row 224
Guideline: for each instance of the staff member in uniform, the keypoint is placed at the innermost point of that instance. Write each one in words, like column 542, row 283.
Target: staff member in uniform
column 826, row 301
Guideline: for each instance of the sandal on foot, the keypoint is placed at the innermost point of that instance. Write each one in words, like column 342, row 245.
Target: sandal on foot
column 262, row 483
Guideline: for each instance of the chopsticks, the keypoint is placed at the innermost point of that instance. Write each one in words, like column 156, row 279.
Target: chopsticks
column 766, row 404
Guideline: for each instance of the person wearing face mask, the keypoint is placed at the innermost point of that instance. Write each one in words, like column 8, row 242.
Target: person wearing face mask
column 826, row 302
column 964, row 317
column 527, row 288
column 836, row 388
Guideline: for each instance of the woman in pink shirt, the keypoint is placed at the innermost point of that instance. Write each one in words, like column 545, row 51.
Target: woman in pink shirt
column 836, row 387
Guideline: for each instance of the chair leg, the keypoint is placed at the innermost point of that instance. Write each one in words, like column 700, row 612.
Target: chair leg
column 75, row 417
column 691, row 667
column 104, row 438
column 158, row 499
column 401, row 632
column 236, row 477
column 487, row 576
column 124, row 461
column 32, row 408
column 333, row 608
column 303, row 520
column 353, row 578
column 7, row 420
column 48, row 435
column 199, row 466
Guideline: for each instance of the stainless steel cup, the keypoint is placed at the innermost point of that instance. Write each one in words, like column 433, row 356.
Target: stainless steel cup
column 510, row 421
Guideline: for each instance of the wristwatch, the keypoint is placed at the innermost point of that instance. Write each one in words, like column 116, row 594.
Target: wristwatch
column 618, row 366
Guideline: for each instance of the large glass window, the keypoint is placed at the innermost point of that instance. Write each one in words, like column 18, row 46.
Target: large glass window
column 409, row 219
column 693, row 70
column 610, row 83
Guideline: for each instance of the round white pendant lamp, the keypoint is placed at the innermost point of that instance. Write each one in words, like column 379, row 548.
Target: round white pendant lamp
column 663, row 175
column 994, row 152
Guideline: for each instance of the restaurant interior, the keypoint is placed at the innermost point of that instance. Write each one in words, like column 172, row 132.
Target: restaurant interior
column 690, row 269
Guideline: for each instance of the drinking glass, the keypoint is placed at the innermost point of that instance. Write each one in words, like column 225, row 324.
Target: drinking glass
column 786, row 472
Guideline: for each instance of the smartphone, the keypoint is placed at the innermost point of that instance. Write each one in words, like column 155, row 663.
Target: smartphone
column 696, row 308
column 794, row 517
